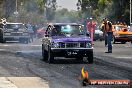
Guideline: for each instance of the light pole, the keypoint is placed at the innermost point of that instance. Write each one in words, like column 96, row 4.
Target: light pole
column 90, row 10
column 21, row 14
column 16, row 6
column 16, row 12
column 130, row 12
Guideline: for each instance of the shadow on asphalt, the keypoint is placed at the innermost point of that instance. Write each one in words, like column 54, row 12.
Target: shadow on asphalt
column 13, row 42
column 67, row 61
column 60, row 60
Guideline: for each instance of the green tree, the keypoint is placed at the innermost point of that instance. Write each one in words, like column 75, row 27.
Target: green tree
column 64, row 15
column 115, row 10
column 49, row 6
column 120, row 11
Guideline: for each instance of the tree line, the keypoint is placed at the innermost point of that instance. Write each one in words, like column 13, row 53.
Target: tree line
column 114, row 10
column 45, row 10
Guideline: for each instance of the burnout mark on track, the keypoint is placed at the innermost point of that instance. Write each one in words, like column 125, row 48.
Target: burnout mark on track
column 20, row 45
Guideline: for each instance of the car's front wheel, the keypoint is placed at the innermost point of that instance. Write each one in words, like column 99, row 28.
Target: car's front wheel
column 79, row 58
column 123, row 42
column 114, row 41
column 23, row 40
column 44, row 54
column 90, row 57
column 50, row 56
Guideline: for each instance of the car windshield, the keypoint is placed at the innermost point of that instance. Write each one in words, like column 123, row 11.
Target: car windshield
column 119, row 27
column 67, row 29
column 14, row 26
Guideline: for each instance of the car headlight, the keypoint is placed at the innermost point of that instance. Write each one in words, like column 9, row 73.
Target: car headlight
column 55, row 45
column 7, row 33
column 88, row 45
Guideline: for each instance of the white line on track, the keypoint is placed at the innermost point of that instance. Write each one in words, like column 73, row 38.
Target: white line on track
column 128, row 46
column 124, row 57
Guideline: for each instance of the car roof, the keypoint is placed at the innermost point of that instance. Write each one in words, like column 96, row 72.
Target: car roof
column 64, row 24
column 13, row 23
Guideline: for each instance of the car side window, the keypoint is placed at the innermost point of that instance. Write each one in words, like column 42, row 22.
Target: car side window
column 54, row 31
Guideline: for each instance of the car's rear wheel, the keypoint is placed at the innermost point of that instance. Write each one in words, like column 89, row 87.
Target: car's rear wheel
column 90, row 57
column 2, row 40
column 26, row 41
column 1, row 37
column 23, row 40
column 101, row 39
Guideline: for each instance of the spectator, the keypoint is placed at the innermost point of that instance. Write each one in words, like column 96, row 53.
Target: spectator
column 107, row 29
column 91, row 28
column 30, row 31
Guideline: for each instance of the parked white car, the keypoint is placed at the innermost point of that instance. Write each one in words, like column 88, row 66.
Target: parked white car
column 98, row 35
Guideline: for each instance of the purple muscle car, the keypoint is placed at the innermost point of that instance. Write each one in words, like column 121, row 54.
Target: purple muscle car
column 66, row 40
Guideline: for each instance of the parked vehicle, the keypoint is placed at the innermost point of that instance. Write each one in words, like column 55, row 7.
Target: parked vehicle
column 13, row 31
column 98, row 35
column 66, row 40
column 41, row 32
column 121, row 34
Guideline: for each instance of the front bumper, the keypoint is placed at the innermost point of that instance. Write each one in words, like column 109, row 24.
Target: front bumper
column 123, row 38
column 71, row 52
column 15, row 37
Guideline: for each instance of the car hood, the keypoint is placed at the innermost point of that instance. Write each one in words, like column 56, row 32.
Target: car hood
column 80, row 38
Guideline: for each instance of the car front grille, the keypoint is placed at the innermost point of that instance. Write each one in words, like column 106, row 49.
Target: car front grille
column 73, row 45
column 16, row 34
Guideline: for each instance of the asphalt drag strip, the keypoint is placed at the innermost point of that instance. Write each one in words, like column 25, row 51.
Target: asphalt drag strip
column 101, row 69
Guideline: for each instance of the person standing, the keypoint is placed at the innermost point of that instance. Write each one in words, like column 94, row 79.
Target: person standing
column 108, row 34
column 34, row 30
column 91, row 29
column 104, row 34
column 30, row 31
